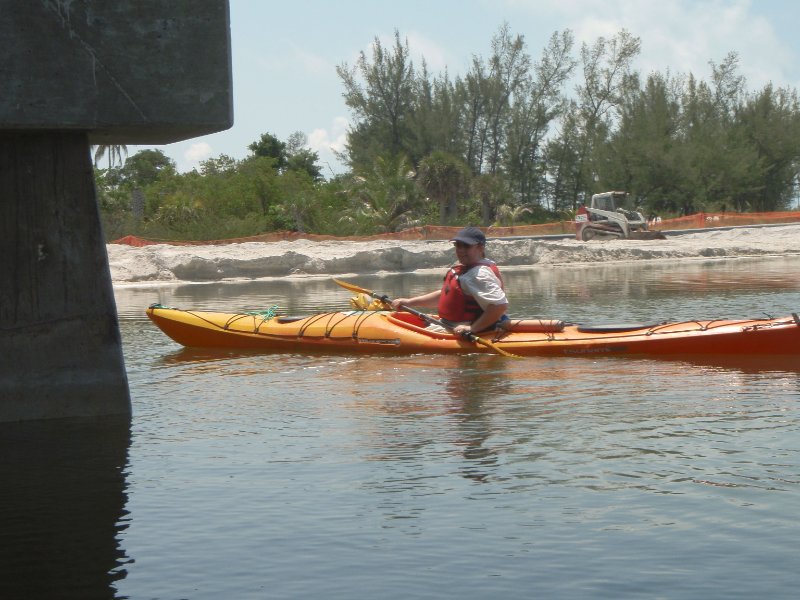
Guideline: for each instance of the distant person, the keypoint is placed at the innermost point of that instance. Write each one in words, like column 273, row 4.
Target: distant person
column 472, row 298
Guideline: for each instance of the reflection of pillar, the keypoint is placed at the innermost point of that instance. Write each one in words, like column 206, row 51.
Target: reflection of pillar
column 60, row 344
column 62, row 507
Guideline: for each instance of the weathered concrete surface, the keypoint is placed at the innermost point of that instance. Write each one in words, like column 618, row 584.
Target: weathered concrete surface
column 129, row 72
column 75, row 73
column 60, row 348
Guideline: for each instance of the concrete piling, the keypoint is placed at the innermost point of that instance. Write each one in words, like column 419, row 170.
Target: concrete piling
column 75, row 74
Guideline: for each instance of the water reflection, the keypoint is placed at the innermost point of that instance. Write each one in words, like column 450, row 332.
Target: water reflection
column 431, row 406
column 746, row 364
column 62, row 507
column 273, row 461
column 469, row 385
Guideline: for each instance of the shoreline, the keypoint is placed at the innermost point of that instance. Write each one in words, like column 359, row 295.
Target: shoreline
column 160, row 265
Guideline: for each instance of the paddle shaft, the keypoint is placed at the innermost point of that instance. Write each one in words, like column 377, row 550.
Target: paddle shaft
column 425, row 317
column 466, row 335
column 429, row 319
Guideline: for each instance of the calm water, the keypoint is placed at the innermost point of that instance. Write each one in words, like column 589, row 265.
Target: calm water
column 247, row 475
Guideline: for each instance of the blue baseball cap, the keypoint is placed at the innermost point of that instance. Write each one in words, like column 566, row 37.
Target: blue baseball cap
column 470, row 236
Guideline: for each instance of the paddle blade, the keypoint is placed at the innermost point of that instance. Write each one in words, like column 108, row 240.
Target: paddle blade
column 489, row 344
column 352, row 287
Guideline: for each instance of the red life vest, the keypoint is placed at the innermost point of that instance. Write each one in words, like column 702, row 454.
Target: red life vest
column 454, row 304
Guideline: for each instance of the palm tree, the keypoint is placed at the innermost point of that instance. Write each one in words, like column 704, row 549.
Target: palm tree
column 492, row 191
column 508, row 215
column 385, row 198
column 113, row 152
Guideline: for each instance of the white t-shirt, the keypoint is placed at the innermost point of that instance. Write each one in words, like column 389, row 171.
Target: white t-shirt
column 482, row 284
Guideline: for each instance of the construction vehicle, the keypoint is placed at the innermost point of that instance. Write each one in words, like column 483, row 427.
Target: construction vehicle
column 611, row 216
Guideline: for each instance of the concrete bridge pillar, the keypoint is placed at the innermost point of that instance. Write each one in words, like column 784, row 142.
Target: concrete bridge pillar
column 74, row 74
column 60, row 343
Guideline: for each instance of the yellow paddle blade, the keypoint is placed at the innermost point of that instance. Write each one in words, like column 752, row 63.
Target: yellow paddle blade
column 359, row 302
column 352, row 287
column 489, row 344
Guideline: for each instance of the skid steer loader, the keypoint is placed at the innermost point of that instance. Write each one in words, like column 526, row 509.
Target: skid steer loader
column 609, row 216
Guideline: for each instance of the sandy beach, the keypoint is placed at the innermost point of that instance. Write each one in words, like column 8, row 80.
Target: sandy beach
column 163, row 263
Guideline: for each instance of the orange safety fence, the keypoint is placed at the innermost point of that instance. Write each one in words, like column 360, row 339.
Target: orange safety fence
column 437, row 232
column 726, row 219
column 426, row 232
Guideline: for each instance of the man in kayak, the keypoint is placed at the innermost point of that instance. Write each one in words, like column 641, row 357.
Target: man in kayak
column 472, row 296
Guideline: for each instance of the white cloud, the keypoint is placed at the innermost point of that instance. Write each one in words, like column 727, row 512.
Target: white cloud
column 333, row 139
column 327, row 142
column 683, row 36
column 420, row 46
column 197, row 152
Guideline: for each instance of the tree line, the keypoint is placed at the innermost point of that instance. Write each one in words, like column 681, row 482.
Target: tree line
column 515, row 139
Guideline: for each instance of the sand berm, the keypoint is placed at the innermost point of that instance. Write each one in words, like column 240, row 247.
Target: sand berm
column 302, row 258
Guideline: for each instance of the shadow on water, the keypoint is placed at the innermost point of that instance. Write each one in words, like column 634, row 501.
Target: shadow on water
column 62, row 507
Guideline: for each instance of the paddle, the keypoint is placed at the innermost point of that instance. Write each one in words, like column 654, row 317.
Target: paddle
column 425, row 317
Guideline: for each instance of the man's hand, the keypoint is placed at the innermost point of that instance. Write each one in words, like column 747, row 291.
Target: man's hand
column 398, row 301
column 464, row 331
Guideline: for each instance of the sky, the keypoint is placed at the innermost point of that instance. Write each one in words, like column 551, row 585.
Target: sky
column 285, row 54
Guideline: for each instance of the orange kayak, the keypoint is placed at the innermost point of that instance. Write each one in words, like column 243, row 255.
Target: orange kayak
column 400, row 332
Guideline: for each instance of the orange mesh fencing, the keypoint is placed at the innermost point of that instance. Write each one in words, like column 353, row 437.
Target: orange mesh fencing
column 726, row 219
column 437, row 232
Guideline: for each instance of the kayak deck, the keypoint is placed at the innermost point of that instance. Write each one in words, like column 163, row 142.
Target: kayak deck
column 397, row 332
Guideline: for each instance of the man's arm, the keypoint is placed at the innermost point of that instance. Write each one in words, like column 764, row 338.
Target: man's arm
column 491, row 314
column 429, row 300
